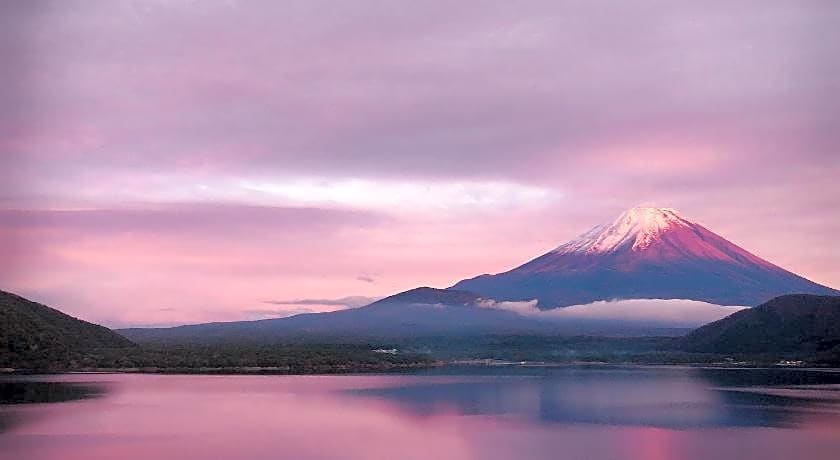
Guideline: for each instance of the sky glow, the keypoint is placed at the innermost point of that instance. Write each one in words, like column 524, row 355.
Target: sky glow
column 175, row 161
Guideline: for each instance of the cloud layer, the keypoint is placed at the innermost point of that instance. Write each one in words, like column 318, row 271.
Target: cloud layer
column 665, row 312
column 205, row 156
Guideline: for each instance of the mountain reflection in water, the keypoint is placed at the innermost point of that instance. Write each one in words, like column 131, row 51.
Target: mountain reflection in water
column 632, row 396
column 487, row 413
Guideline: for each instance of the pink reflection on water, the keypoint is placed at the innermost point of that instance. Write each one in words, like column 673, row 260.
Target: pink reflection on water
column 307, row 417
column 174, row 417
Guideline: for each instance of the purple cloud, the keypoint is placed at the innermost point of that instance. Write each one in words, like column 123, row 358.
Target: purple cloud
column 304, row 143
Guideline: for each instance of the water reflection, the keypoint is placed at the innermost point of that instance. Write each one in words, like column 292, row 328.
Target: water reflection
column 27, row 391
column 447, row 414
column 30, row 390
column 664, row 398
column 767, row 377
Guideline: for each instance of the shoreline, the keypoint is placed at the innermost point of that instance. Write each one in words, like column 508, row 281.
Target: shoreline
column 401, row 369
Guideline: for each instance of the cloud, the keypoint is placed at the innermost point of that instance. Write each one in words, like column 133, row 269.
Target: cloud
column 190, row 217
column 528, row 308
column 366, row 278
column 683, row 312
column 263, row 313
column 392, row 195
column 291, row 94
column 672, row 312
column 346, row 302
column 422, row 141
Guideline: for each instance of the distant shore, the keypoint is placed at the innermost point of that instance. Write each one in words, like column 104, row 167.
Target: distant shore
column 401, row 368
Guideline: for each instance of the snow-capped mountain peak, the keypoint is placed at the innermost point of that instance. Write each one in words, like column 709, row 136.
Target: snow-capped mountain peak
column 646, row 253
column 636, row 228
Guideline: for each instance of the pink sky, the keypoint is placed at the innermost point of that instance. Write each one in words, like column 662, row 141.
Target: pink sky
column 176, row 161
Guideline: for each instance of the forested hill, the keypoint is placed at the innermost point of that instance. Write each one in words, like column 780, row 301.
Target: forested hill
column 799, row 323
column 33, row 335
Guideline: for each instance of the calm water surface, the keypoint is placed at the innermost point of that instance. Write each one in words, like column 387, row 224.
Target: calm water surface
column 447, row 414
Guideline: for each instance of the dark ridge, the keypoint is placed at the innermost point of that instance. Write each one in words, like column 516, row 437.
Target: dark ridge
column 427, row 295
column 798, row 323
column 33, row 335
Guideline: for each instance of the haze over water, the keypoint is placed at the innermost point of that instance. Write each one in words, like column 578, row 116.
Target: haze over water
column 448, row 414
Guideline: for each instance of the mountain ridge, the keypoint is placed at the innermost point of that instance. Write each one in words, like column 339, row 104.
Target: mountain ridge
column 33, row 334
column 418, row 311
column 789, row 323
column 422, row 311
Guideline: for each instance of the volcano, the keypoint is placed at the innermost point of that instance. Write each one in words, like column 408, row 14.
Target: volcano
column 646, row 253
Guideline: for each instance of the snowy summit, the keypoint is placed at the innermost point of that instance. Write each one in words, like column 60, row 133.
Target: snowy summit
column 638, row 226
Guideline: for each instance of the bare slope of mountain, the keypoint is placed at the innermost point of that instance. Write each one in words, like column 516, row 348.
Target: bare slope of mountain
column 33, row 335
column 420, row 311
column 787, row 324
column 652, row 253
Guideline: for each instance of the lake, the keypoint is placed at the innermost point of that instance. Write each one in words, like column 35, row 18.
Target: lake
column 502, row 412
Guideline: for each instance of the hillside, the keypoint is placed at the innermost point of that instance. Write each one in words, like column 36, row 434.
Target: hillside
column 33, row 335
column 420, row 311
column 799, row 323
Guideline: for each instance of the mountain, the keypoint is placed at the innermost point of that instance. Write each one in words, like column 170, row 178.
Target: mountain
column 420, row 311
column 33, row 335
column 646, row 253
column 791, row 323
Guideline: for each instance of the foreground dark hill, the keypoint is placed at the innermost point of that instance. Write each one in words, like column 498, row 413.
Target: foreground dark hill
column 807, row 324
column 33, row 335
column 647, row 253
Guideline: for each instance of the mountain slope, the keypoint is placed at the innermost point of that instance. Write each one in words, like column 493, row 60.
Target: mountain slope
column 652, row 253
column 790, row 323
column 420, row 311
column 32, row 334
